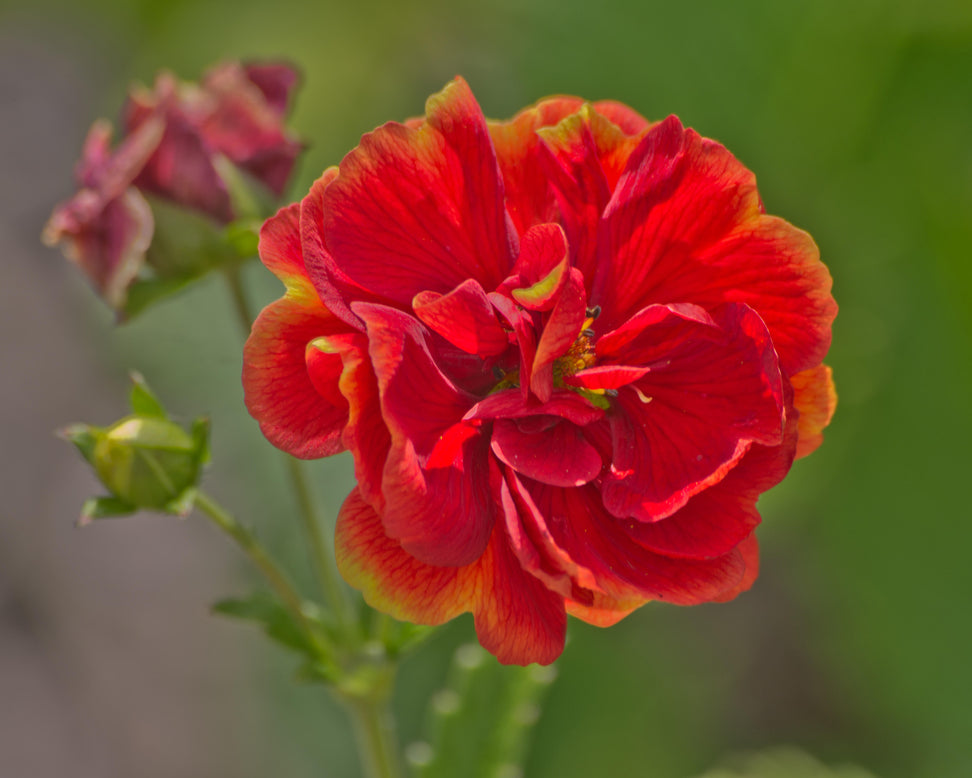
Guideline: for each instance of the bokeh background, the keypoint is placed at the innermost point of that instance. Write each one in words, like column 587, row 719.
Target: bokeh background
column 855, row 643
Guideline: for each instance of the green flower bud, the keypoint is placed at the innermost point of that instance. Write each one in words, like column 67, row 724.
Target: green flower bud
column 145, row 460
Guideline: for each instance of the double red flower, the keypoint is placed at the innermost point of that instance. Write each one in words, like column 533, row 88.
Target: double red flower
column 567, row 352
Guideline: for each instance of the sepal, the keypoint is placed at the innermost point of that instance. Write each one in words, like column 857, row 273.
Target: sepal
column 145, row 460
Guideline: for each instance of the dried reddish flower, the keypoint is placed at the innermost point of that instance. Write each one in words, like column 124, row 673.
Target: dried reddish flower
column 568, row 352
column 236, row 112
column 178, row 141
column 107, row 227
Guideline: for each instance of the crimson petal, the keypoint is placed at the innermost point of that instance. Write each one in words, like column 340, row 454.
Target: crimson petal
column 430, row 197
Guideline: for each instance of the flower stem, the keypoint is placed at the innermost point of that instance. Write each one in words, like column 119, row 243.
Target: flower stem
column 262, row 561
column 375, row 730
column 320, row 551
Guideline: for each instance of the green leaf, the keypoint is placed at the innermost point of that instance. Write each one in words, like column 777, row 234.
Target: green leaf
column 143, row 401
column 266, row 610
column 145, row 292
column 104, row 508
column 84, row 437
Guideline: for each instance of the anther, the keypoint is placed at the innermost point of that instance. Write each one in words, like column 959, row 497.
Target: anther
column 587, row 333
column 594, row 312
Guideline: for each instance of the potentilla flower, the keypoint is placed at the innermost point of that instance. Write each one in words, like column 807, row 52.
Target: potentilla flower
column 567, row 352
column 107, row 227
column 180, row 143
column 236, row 113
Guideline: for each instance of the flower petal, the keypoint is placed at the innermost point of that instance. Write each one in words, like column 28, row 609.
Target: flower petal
column 464, row 317
column 559, row 333
column 365, row 434
column 441, row 515
column 557, row 454
column 815, row 398
column 517, row 618
column 718, row 519
column 280, row 373
column 510, row 404
column 584, row 155
column 623, row 569
column 685, row 224
column 714, row 389
column 431, row 197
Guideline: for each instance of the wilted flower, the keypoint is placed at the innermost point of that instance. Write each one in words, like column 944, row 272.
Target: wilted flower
column 234, row 114
column 181, row 142
column 567, row 352
column 106, row 228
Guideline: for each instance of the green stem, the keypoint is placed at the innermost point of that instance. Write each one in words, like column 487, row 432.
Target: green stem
column 375, row 730
column 320, row 551
column 262, row 561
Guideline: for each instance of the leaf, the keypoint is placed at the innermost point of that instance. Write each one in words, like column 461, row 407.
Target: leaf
column 279, row 625
column 143, row 401
column 104, row 508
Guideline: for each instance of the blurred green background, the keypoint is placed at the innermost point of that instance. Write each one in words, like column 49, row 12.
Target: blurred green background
column 854, row 645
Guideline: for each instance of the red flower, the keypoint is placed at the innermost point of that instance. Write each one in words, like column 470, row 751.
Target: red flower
column 107, row 227
column 568, row 352
column 178, row 141
column 236, row 112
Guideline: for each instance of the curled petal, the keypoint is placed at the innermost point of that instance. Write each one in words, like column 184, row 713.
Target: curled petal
column 815, row 399
column 559, row 333
column 464, row 317
column 290, row 387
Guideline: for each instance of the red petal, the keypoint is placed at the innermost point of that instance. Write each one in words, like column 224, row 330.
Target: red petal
column 331, row 282
column 510, row 404
column 689, row 420
column 623, row 569
column 559, row 333
column 517, row 618
column 749, row 549
column 441, row 515
column 558, row 455
column 277, row 386
column 431, row 197
column 365, row 434
column 541, row 268
column 685, row 224
column 464, row 317
column 529, row 198
column 815, row 398
column 719, row 518
column 275, row 80
column 418, row 401
column 280, row 391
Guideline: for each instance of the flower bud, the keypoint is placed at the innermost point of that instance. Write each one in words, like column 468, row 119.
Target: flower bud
column 145, row 460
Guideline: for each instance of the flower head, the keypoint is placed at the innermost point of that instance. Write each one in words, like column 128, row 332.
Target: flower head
column 181, row 142
column 567, row 352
